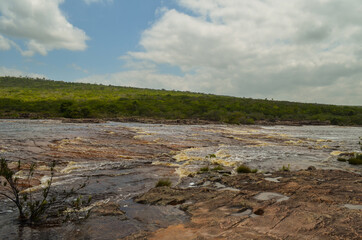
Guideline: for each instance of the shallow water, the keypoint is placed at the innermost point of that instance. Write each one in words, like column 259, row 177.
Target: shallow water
column 126, row 159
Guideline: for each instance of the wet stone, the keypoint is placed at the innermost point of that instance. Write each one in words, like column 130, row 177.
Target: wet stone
column 265, row 196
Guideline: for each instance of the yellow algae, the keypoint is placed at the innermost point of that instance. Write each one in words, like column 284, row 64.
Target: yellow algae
column 165, row 164
column 336, row 153
column 321, row 147
column 223, row 162
column 44, row 182
column 43, row 168
column 144, row 133
column 182, row 172
column 259, row 144
column 71, row 167
column 222, row 154
column 125, row 157
column 138, row 137
column 184, row 157
column 21, row 174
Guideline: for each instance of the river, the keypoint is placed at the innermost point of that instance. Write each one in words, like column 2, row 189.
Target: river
column 124, row 160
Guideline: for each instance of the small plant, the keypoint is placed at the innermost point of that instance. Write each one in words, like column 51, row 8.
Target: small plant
column 342, row 159
column 285, row 169
column 245, row 169
column 33, row 206
column 204, row 169
column 163, row 183
column 217, row 168
column 211, row 156
column 356, row 160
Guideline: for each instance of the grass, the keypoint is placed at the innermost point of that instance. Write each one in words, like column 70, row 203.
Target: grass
column 245, row 169
column 40, row 98
column 163, row 183
column 204, row 169
column 217, row 168
column 340, row 159
column 357, row 160
column 285, row 168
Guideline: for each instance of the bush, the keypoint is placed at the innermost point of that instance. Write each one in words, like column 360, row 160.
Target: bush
column 33, row 206
column 245, row 169
column 357, row 160
column 163, row 183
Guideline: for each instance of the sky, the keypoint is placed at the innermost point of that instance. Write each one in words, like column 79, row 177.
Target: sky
column 298, row 50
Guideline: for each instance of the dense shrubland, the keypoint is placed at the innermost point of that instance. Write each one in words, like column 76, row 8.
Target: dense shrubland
column 38, row 98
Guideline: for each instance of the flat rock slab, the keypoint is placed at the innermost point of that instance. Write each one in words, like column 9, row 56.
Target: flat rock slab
column 265, row 196
column 322, row 204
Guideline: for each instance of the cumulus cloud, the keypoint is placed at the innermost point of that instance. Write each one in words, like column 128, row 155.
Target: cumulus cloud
column 41, row 24
column 301, row 50
column 4, row 71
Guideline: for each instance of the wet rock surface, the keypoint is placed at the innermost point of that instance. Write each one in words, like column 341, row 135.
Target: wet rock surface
column 123, row 161
column 312, row 207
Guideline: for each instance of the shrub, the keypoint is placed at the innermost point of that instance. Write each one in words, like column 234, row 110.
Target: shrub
column 163, row 183
column 357, row 160
column 32, row 206
column 245, row 169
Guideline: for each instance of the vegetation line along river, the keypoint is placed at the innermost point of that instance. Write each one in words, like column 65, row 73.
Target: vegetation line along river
column 125, row 160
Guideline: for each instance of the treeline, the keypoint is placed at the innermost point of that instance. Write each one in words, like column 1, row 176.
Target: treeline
column 39, row 98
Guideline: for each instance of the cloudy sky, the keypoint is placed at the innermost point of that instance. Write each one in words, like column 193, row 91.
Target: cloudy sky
column 300, row 50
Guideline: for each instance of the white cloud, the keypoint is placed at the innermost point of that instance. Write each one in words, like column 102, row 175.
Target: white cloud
column 41, row 24
column 78, row 68
column 300, row 50
column 17, row 73
column 97, row 1
column 5, row 44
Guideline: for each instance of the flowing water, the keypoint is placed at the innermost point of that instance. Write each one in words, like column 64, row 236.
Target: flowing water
column 123, row 160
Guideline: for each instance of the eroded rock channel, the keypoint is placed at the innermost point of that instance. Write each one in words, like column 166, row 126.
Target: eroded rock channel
column 207, row 200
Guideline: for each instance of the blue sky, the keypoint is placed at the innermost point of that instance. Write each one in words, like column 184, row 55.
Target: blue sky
column 301, row 50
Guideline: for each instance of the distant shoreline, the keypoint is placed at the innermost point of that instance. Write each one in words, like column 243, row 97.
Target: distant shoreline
column 179, row 121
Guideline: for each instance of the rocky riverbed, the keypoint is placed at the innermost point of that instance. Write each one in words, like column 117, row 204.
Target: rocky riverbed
column 123, row 162
column 306, row 204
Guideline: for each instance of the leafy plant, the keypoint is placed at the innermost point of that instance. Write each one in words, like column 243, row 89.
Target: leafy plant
column 164, row 183
column 245, row 169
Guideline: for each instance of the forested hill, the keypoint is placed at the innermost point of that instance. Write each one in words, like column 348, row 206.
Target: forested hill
column 38, row 98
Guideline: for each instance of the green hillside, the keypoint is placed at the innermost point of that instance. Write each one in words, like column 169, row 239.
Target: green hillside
column 38, row 98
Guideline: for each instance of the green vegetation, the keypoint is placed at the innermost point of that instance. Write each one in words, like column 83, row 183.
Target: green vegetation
column 38, row 98
column 354, row 158
column 204, row 169
column 357, row 160
column 285, row 168
column 245, row 169
column 217, row 168
column 163, row 183
column 34, row 206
